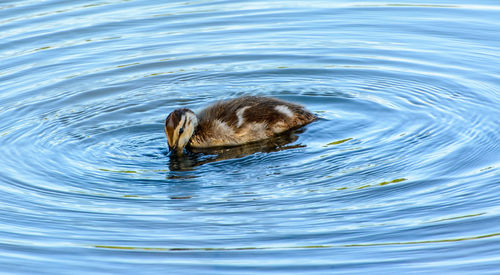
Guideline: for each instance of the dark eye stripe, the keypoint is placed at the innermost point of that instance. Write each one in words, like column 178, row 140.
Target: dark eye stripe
column 181, row 130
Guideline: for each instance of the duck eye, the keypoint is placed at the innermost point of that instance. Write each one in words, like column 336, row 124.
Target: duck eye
column 181, row 130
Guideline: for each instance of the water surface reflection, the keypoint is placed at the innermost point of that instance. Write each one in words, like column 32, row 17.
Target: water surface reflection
column 400, row 174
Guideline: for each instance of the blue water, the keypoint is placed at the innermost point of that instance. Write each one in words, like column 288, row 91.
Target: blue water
column 400, row 175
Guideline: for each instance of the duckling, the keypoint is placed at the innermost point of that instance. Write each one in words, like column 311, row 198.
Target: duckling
column 233, row 122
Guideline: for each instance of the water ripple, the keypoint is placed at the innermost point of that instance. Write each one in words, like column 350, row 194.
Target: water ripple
column 401, row 167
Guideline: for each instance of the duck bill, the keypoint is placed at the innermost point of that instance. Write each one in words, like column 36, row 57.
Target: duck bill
column 171, row 150
column 175, row 150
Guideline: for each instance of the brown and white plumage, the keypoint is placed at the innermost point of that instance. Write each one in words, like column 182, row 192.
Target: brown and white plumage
column 233, row 122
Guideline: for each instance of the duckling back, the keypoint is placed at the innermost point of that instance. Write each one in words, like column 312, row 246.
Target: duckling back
column 247, row 119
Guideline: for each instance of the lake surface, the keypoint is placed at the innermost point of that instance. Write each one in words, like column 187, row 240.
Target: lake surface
column 401, row 173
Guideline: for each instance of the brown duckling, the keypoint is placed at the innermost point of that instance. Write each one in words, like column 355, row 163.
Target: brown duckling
column 233, row 122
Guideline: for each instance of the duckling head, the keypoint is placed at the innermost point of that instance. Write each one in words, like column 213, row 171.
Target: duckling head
column 179, row 127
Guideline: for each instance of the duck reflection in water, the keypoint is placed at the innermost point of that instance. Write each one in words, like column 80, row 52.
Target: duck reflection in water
column 234, row 128
column 199, row 156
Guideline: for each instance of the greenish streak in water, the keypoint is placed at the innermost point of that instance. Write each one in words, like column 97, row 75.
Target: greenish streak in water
column 159, row 249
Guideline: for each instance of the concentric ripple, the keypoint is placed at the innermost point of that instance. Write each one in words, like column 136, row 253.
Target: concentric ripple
column 399, row 174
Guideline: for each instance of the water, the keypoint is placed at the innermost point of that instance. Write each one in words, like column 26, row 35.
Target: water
column 400, row 174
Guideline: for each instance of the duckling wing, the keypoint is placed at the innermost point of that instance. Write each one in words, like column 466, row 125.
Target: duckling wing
column 247, row 119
